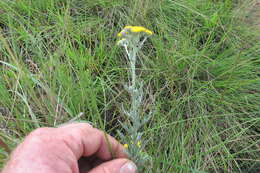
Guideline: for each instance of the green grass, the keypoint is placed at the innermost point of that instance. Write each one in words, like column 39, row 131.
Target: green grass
column 201, row 71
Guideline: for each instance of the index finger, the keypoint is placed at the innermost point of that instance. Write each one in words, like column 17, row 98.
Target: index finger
column 84, row 140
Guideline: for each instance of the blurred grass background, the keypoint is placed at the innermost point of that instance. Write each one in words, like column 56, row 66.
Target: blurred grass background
column 59, row 63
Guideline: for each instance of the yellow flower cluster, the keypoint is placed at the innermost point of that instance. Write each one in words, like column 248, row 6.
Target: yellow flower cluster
column 126, row 146
column 138, row 144
column 134, row 29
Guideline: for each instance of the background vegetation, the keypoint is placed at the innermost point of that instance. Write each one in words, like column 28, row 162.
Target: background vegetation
column 59, row 63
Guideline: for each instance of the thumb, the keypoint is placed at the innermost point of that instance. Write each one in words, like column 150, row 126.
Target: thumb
column 116, row 166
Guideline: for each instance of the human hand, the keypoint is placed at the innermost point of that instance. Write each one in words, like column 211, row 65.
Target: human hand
column 72, row 148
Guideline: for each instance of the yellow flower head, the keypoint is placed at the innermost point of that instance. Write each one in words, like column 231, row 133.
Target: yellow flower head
column 126, row 146
column 139, row 144
column 134, row 29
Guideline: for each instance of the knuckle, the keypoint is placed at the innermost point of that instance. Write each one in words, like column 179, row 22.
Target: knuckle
column 84, row 129
column 86, row 125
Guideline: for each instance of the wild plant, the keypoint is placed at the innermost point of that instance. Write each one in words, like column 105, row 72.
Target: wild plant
column 132, row 39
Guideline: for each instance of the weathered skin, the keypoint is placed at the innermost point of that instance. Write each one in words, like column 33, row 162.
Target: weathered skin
column 57, row 150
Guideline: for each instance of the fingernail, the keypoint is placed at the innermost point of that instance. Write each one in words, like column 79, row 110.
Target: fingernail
column 128, row 167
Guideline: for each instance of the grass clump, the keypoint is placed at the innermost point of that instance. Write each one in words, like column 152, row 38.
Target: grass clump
column 59, row 62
